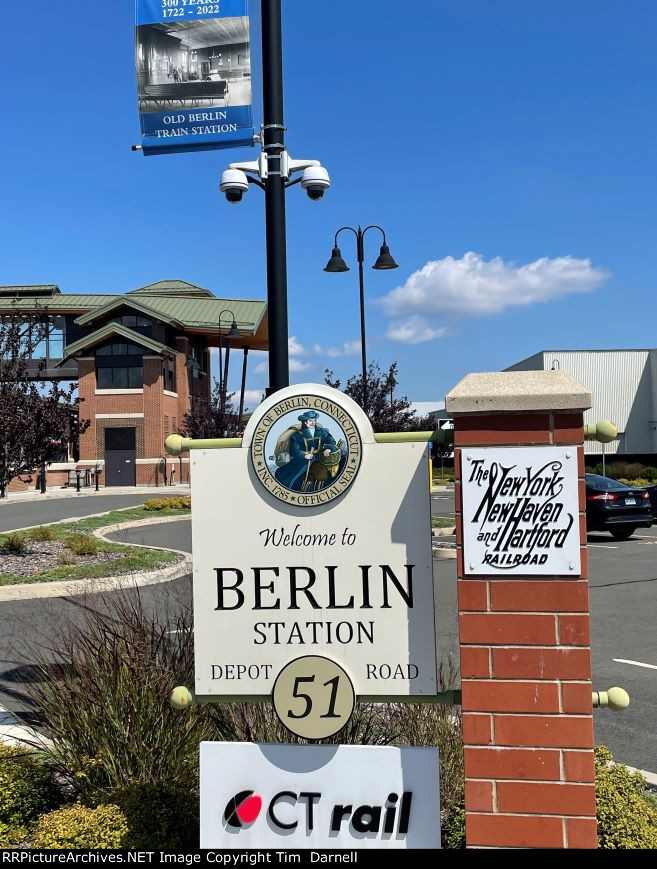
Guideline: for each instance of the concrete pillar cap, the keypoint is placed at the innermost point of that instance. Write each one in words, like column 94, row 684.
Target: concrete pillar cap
column 518, row 392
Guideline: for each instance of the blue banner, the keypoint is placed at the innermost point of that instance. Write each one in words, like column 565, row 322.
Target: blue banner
column 193, row 62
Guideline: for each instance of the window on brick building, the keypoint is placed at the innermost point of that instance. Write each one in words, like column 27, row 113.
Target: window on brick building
column 120, row 377
column 119, row 365
column 120, row 348
column 197, row 352
column 144, row 325
column 169, row 373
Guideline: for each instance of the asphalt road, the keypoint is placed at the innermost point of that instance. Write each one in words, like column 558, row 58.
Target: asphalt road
column 623, row 594
column 22, row 514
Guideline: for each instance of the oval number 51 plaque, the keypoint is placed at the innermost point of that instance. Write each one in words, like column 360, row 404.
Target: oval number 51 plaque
column 313, row 697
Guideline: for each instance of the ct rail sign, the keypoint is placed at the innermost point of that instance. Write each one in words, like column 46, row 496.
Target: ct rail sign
column 312, row 541
column 320, row 796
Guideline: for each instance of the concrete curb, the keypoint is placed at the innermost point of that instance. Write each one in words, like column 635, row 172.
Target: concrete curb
column 14, row 733
column 444, row 552
column 650, row 777
column 72, row 587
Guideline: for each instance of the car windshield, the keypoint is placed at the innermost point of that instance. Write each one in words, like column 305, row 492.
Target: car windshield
column 604, row 483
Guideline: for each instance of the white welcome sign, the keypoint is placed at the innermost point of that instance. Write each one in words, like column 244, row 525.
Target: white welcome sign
column 312, row 539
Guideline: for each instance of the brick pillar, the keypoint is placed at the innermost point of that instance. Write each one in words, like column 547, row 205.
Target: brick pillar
column 153, row 408
column 88, row 407
column 524, row 641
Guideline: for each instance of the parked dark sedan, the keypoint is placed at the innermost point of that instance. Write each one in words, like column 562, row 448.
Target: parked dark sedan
column 652, row 494
column 615, row 507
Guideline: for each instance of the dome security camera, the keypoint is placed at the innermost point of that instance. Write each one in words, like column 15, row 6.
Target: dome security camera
column 234, row 184
column 315, row 180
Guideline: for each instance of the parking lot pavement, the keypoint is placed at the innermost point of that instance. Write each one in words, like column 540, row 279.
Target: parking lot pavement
column 623, row 596
column 17, row 513
column 442, row 503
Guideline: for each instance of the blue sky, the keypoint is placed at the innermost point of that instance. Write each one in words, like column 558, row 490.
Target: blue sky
column 507, row 148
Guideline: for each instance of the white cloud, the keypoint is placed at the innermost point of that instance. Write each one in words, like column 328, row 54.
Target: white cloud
column 414, row 330
column 297, row 365
column 349, row 348
column 295, row 347
column 473, row 285
column 252, row 398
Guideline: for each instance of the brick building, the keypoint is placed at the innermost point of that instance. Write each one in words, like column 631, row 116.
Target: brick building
column 139, row 358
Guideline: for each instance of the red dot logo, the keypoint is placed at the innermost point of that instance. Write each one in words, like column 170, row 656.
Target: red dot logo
column 242, row 809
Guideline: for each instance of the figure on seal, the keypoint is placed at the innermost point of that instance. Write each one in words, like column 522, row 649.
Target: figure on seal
column 314, row 456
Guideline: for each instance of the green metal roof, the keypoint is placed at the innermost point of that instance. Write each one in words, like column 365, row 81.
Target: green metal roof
column 199, row 313
column 63, row 302
column 115, row 329
column 116, row 302
column 30, row 290
column 171, row 301
column 172, row 287
column 188, row 313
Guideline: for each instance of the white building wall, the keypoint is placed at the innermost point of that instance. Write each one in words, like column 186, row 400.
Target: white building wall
column 623, row 390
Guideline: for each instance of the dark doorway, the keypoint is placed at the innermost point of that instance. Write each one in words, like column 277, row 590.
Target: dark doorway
column 120, row 457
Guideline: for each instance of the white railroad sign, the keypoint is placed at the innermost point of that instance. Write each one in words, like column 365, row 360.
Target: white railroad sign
column 520, row 511
column 319, row 796
column 312, row 539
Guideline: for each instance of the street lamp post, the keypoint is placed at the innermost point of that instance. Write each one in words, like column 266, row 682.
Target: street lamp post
column 233, row 332
column 337, row 264
column 272, row 172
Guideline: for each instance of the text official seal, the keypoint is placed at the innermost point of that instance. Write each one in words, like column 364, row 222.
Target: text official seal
column 306, row 450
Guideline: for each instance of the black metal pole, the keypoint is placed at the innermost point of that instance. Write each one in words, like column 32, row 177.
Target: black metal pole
column 246, row 355
column 225, row 388
column 274, row 144
column 360, row 249
column 43, row 478
column 221, row 370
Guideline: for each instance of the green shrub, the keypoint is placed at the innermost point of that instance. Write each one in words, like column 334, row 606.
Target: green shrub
column 162, row 816
column 117, row 666
column 67, row 558
column 639, row 481
column 626, row 819
column 156, row 504
column 81, row 827
column 41, row 534
column 14, row 543
column 651, row 798
column 83, row 544
column 27, row 789
column 453, row 828
column 619, row 470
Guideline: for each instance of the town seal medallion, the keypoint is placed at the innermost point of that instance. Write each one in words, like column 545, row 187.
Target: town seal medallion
column 306, row 450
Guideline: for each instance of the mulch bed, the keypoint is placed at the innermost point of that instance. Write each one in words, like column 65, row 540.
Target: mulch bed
column 40, row 556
